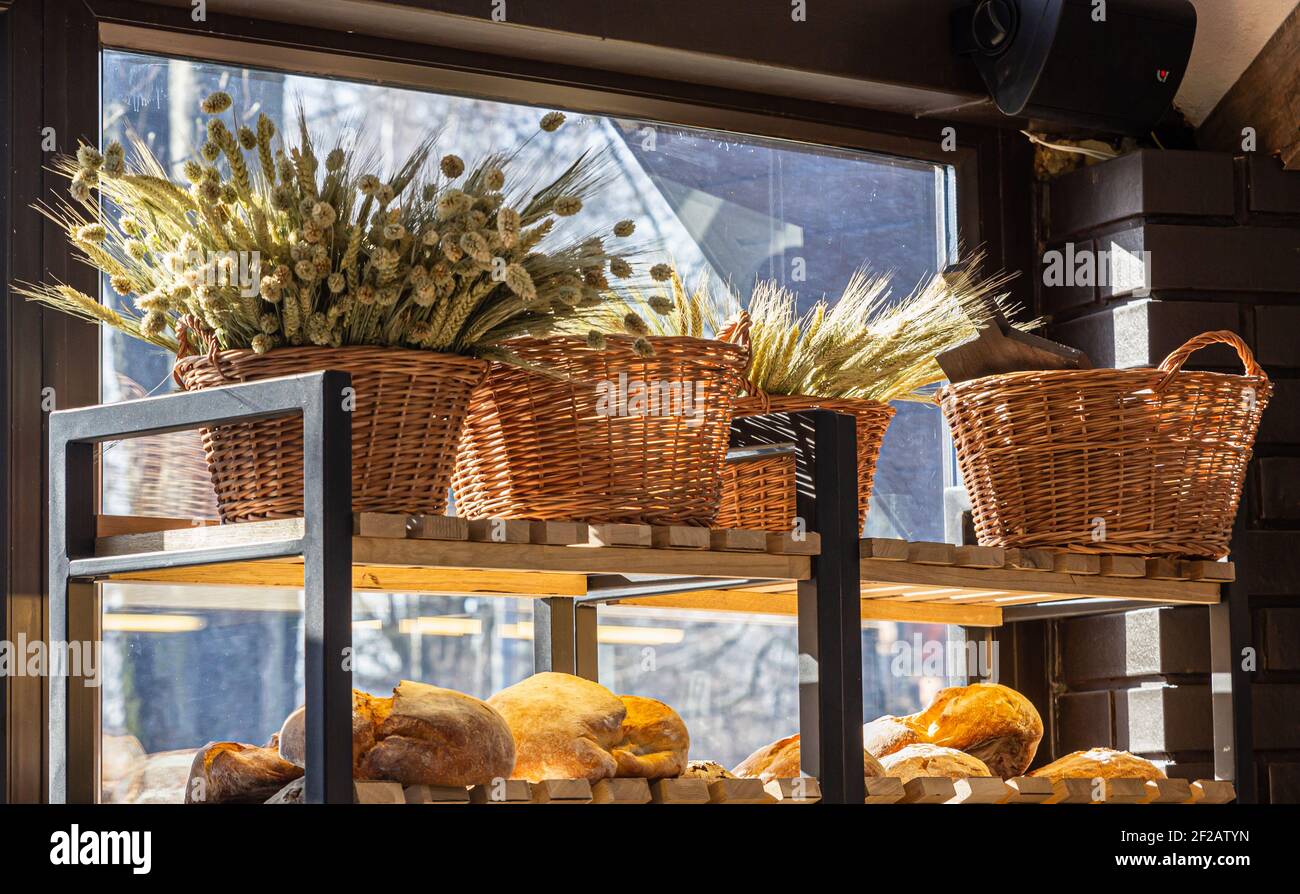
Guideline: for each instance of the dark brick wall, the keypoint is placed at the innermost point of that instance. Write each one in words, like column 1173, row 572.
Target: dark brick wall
column 1224, row 237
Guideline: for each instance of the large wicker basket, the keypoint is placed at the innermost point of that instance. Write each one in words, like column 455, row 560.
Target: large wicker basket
column 566, row 447
column 759, row 492
column 409, row 408
column 1139, row 461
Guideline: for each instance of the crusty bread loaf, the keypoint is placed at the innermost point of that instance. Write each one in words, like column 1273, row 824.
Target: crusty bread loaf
column 923, row 759
column 233, row 773
column 563, row 726
column 986, row 720
column 423, row 735
column 780, row 760
column 653, row 741
column 1099, row 763
column 709, row 771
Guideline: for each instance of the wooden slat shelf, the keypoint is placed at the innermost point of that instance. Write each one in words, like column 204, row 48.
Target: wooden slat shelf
column 901, row 581
column 923, row 790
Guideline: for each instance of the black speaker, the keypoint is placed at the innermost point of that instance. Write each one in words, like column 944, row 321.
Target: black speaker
column 1100, row 65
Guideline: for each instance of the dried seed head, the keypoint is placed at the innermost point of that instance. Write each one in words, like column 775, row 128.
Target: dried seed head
column 334, row 161
column 494, row 179
column 368, row 184
column 210, row 151
column 89, row 157
column 452, row 166
column 216, row 103
column 121, row 285
column 643, row 348
column 551, row 121
column 661, row 305
column 567, row 206
column 94, row 232
column 661, row 272
column 262, row 343
column 634, row 325
column 520, row 282
column 596, row 340
column 247, row 138
column 620, row 268
column 624, row 228
column 394, row 231
column 153, row 324
column 336, row 282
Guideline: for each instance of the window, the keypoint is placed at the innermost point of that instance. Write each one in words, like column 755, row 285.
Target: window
column 188, row 665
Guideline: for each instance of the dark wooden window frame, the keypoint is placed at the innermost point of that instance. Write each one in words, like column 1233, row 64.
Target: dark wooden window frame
column 51, row 56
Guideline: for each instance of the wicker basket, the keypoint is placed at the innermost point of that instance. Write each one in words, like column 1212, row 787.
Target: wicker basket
column 1140, row 461
column 759, row 493
column 569, row 448
column 409, row 408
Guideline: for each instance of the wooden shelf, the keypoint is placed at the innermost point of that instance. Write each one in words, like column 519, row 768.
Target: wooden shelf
column 901, row 581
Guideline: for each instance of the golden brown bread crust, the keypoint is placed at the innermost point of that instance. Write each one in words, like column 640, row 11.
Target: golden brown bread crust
column 422, row 735
column 780, row 760
column 923, row 759
column 563, row 726
column 233, row 773
column 709, row 771
column 986, row 720
column 653, row 740
column 1099, row 763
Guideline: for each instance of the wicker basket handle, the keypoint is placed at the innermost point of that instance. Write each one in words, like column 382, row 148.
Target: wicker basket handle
column 737, row 332
column 188, row 330
column 1173, row 364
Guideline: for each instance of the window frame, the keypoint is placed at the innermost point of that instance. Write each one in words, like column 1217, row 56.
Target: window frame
column 55, row 46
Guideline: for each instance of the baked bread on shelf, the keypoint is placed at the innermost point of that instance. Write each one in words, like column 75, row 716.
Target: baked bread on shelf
column 233, row 773
column 923, row 759
column 709, row 771
column 564, row 727
column 780, row 760
column 986, row 720
column 653, row 741
column 423, row 735
column 1099, row 763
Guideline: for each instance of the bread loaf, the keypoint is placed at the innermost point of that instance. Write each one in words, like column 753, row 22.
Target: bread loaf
column 653, row 740
column 564, row 727
column 922, row 759
column 985, row 720
column 709, row 771
column 780, row 760
column 1099, row 763
column 233, row 773
column 423, row 735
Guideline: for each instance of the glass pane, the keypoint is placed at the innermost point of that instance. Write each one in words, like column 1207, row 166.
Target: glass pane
column 185, row 666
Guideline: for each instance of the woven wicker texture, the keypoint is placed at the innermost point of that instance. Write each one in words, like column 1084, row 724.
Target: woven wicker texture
column 1140, row 461
column 581, row 448
column 760, row 493
column 409, row 408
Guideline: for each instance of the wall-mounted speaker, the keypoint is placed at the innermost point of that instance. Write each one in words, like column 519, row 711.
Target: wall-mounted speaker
column 1101, row 65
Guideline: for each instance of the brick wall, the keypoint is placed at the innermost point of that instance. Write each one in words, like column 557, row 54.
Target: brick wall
column 1224, row 240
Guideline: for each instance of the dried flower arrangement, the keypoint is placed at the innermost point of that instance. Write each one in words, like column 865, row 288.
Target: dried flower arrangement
column 863, row 346
column 446, row 260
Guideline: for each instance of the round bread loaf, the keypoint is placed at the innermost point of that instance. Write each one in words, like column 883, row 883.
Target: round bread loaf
column 1099, row 763
column 780, row 760
column 709, row 771
column 234, row 773
column 423, row 735
column 986, row 720
column 563, row 726
column 922, row 759
column 653, row 740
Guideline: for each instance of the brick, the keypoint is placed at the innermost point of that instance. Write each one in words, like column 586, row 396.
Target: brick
column 1277, row 342
column 1269, row 188
column 1284, row 784
column 1143, row 333
column 1273, row 566
column 1280, row 636
column 1164, row 718
column 1206, row 259
column 1280, row 423
column 1146, row 182
column 1084, row 721
column 1279, row 487
column 1191, row 770
column 1145, row 642
column 1058, row 299
column 1277, row 722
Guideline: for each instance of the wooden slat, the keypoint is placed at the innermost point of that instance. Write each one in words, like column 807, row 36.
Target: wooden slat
column 1123, row 566
column 980, row 790
column 932, row 613
column 1028, row 790
column 1125, row 791
column 883, row 548
column 437, row 527
column 505, row 791
column 1165, row 569
column 561, row 791
column 1076, row 563
column 679, row 791
column 679, row 537
column 884, row 790
column 1072, row 791
column 379, row 524
column 380, row 793
column 980, row 557
column 638, row 536
column 114, row 525
column 200, row 537
column 739, row 791
column 803, row 790
column 1212, row 791
column 435, row 794
column 925, row 553
column 1222, row 572
column 500, row 530
column 807, row 544
column 736, row 540
column 928, row 790
column 557, row 533
column 1168, row 791
column 621, row 791
column 1030, row 560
